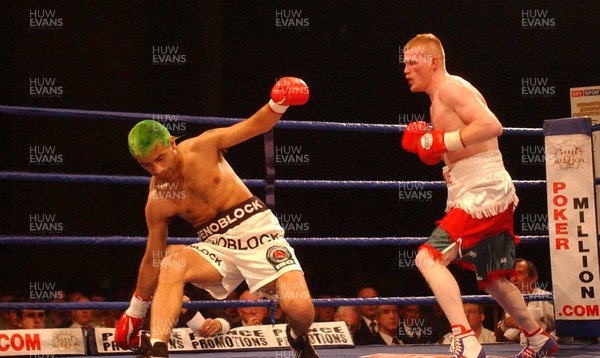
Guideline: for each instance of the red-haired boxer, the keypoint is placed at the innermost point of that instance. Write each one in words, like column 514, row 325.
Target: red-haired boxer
column 477, row 230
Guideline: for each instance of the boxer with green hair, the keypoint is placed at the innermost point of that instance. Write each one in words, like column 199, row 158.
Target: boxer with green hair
column 144, row 136
column 192, row 180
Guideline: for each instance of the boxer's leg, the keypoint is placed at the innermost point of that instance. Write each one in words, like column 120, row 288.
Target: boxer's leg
column 444, row 286
column 176, row 269
column 296, row 303
column 508, row 296
column 432, row 261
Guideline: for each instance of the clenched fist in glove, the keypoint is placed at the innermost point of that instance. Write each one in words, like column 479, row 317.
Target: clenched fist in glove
column 288, row 91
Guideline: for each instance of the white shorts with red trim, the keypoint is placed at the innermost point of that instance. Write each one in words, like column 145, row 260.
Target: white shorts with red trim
column 480, row 185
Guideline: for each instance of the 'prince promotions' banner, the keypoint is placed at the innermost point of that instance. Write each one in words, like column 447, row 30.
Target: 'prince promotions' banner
column 321, row 334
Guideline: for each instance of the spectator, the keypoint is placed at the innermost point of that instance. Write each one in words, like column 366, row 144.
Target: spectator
column 59, row 318
column 231, row 313
column 388, row 320
column 368, row 325
column 211, row 325
column 413, row 329
column 102, row 318
column 439, row 323
column 214, row 321
column 75, row 296
column 7, row 297
column 475, row 316
column 32, row 319
column 9, row 318
column 542, row 311
column 278, row 315
column 251, row 315
column 81, row 318
column 351, row 316
column 324, row 313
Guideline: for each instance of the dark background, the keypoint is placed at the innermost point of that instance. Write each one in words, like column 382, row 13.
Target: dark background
column 348, row 54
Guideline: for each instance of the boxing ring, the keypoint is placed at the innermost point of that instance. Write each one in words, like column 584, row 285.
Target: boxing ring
column 573, row 349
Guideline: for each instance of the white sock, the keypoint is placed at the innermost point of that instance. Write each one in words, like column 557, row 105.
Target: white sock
column 155, row 340
column 536, row 339
column 471, row 344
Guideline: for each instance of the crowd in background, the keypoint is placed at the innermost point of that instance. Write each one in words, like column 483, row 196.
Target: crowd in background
column 368, row 324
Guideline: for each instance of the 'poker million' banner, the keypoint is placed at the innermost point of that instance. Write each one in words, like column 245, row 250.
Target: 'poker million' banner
column 572, row 226
column 585, row 102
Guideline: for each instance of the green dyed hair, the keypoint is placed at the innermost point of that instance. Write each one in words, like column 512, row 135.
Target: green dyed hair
column 144, row 136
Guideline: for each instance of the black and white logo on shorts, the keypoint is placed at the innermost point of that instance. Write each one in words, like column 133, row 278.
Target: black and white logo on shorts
column 279, row 257
column 208, row 254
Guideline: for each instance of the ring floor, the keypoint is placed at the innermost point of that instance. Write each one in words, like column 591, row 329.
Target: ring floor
column 574, row 349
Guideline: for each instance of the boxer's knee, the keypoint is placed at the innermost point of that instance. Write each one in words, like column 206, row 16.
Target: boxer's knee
column 425, row 260
column 299, row 313
column 171, row 249
column 498, row 286
column 294, row 296
column 298, row 308
column 174, row 265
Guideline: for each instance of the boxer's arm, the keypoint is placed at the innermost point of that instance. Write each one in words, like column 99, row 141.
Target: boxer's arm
column 260, row 122
column 131, row 321
column 158, row 229
column 481, row 123
column 288, row 91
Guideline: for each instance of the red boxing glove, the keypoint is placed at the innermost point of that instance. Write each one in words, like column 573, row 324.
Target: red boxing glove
column 130, row 323
column 127, row 331
column 435, row 143
column 412, row 136
column 288, row 91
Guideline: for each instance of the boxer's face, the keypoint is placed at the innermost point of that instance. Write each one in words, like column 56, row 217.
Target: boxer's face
column 160, row 162
column 417, row 68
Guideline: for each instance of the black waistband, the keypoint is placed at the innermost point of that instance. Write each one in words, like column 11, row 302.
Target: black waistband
column 231, row 217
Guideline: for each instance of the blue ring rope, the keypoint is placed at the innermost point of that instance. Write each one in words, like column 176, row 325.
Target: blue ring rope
column 358, row 127
column 305, row 241
column 282, row 183
column 427, row 300
column 223, row 121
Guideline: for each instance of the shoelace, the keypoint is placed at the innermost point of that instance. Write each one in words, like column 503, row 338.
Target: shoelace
column 530, row 353
column 526, row 353
column 457, row 348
